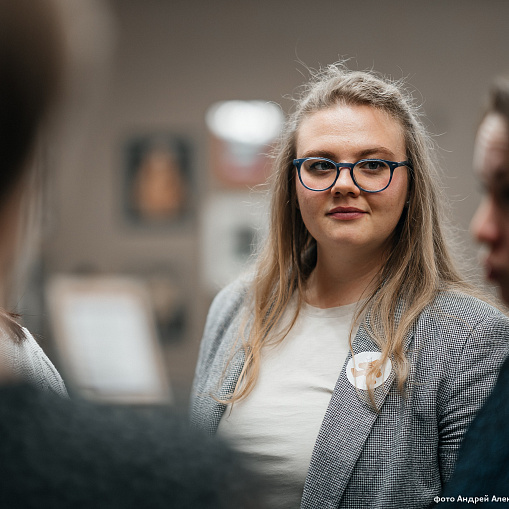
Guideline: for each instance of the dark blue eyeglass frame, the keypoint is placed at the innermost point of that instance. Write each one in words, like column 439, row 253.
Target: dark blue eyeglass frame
column 392, row 165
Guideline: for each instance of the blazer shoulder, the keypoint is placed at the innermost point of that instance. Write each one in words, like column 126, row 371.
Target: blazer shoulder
column 232, row 292
column 462, row 322
column 220, row 326
column 226, row 304
column 464, row 307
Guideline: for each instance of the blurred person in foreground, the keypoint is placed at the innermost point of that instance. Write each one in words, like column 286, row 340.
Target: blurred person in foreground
column 23, row 101
column 483, row 465
column 54, row 452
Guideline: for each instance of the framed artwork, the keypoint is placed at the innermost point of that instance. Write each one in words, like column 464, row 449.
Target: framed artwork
column 105, row 331
column 158, row 181
column 233, row 223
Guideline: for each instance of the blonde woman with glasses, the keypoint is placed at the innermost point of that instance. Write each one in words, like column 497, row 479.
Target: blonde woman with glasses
column 350, row 364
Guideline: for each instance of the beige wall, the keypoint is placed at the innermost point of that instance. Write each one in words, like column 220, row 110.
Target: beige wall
column 174, row 58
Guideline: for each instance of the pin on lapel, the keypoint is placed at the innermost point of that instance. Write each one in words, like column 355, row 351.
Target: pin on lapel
column 358, row 367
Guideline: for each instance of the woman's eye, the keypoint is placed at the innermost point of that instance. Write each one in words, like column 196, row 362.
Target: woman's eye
column 373, row 165
column 321, row 166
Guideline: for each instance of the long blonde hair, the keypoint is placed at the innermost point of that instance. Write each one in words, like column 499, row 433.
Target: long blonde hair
column 417, row 265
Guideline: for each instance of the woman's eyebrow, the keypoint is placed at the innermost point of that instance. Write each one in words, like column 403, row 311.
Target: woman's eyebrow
column 375, row 151
column 319, row 153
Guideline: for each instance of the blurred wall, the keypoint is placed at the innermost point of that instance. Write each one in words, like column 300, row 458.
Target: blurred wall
column 175, row 58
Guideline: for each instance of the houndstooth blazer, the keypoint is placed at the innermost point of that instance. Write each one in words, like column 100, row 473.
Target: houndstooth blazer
column 399, row 455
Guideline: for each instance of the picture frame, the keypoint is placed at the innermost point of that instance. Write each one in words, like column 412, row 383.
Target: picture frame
column 158, row 181
column 240, row 221
column 105, row 332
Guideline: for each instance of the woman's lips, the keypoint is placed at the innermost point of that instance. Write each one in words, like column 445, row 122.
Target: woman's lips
column 346, row 213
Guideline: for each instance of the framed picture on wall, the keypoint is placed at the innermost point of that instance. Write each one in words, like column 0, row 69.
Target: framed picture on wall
column 233, row 225
column 158, row 181
column 105, row 330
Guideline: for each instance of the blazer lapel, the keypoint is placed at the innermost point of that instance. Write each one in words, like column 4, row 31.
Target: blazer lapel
column 344, row 430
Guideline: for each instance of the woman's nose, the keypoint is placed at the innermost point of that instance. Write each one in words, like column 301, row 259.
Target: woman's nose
column 345, row 184
column 484, row 225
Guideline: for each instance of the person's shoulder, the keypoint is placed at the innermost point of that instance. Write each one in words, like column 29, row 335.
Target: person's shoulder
column 42, row 372
column 156, row 446
column 463, row 322
column 234, row 291
column 229, row 300
column 114, row 445
column 465, row 307
column 226, row 309
column 27, row 360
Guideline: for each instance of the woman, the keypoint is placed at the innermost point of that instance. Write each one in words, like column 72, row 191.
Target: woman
column 351, row 364
column 20, row 353
column 482, row 465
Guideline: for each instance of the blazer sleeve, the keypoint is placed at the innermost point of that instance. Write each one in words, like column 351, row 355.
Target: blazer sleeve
column 224, row 309
column 484, row 456
column 470, row 383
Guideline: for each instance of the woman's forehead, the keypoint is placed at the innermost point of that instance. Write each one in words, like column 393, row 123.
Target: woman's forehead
column 351, row 124
column 491, row 152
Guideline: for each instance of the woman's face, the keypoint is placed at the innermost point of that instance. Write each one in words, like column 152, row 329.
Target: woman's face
column 490, row 224
column 345, row 219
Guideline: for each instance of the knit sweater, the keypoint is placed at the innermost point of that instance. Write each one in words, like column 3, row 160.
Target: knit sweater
column 57, row 453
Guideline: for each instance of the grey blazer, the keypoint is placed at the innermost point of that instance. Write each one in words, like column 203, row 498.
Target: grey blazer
column 400, row 455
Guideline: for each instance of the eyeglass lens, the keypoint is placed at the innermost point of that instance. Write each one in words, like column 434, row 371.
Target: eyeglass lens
column 319, row 174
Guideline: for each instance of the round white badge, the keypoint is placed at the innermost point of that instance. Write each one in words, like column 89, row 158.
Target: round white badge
column 357, row 368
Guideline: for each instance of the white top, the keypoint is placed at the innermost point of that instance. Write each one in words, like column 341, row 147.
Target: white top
column 277, row 424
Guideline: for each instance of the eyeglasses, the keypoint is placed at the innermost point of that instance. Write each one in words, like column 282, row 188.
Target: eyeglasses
column 369, row 175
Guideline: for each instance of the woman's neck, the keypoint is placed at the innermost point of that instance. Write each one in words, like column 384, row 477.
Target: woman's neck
column 338, row 282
